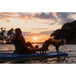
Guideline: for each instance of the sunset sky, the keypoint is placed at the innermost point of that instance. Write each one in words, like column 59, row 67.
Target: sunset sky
column 40, row 24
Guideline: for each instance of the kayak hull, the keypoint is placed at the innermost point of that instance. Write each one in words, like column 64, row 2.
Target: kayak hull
column 18, row 57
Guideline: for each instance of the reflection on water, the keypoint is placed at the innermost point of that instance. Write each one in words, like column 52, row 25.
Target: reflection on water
column 6, row 48
column 69, row 48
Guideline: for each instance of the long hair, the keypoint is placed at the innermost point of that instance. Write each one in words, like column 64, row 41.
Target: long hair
column 18, row 31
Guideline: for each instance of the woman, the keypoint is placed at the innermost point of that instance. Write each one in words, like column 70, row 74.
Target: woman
column 21, row 47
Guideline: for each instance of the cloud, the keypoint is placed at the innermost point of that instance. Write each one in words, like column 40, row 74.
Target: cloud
column 21, row 15
column 64, row 16
column 45, row 22
column 44, row 16
column 46, row 32
column 2, row 16
column 41, row 33
column 56, row 17
column 26, row 33
column 39, row 28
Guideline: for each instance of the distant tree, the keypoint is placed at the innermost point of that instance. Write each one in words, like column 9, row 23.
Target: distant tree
column 10, row 33
column 58, row 34
column 2, row 33
column 71, row 29
column 67, row 31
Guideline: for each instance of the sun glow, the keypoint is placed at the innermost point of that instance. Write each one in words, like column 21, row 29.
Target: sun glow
column 35, row 38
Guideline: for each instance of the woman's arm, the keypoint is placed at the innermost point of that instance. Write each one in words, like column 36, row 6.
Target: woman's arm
column 22, row 40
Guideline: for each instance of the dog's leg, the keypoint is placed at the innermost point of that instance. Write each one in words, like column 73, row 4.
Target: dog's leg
column 29, row 44
column 57, row 49
column 40, row 52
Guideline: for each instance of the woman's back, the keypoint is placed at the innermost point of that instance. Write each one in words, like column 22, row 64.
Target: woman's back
column 20, row 45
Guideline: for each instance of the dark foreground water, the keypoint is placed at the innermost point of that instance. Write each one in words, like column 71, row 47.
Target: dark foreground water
column 69, row 48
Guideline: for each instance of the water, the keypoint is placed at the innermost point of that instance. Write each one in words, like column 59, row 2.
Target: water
column 69, row 48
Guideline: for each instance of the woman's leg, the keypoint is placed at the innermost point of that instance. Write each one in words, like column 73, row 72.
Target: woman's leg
column 29, row 44
column 34, row 50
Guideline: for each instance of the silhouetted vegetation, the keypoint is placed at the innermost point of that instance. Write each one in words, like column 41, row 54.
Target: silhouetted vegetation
column 67, row 31
column 6, row 35
column 10, row 33
column 2, row 33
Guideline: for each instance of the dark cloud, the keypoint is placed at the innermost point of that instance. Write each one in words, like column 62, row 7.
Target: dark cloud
column 44, row 16
column 63, row 16
column 69, row 20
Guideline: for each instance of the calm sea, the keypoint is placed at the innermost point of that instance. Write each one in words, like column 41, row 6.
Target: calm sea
column 69, row 48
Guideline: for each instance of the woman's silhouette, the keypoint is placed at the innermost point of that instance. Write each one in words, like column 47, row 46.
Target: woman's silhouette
column 21, row 47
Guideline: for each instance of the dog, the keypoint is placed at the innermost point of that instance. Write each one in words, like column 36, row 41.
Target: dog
column 54, row 42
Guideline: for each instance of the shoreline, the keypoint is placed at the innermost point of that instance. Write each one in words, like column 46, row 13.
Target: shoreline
column 70, row 42
column 41, row 43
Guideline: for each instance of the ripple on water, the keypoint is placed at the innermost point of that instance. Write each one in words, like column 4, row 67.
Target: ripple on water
column 69, row 48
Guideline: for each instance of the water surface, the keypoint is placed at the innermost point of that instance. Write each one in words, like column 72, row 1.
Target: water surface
column 69, row 48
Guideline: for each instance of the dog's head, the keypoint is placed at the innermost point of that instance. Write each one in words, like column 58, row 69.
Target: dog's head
column 46, row 44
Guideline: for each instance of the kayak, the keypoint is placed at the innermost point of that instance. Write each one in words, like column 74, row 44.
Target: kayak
column 12, row 56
